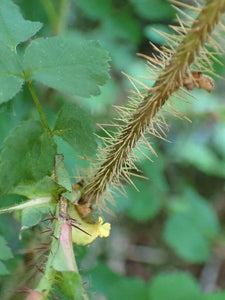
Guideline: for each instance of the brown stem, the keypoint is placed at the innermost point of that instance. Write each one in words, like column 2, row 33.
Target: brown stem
column 167, row 83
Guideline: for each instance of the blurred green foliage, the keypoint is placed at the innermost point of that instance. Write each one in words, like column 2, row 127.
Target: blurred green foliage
column 165, row 236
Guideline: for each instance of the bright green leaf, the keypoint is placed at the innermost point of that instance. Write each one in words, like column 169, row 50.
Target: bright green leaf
column 174, row 286
column 3, row 269
column 31, row 216
column 75, row 126
column 5, row 251
column 186, row 239
column 11, row 79
column 13, row 28
column 67, row 65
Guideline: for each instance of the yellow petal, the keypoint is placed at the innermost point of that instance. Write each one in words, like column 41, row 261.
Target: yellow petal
column 89, row 232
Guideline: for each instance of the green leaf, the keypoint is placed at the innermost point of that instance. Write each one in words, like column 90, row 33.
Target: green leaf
column 5, row 251
column 3, row 269
column 70, row 284
column 192, row 228
column 129, row 288
column 202, row 214
column 201, row 157
column 186, row 240
column 152, row 32
column 102, row 278
column 42, row 188
column 214, row 296
column 11, row 72
column 106, row 282
column 62, row 176
column 66, row 65
column 174, row 286
column 96, row 9
column 41, row 156
column 13, row 28
column 75, row 126
column 154, row 10
column 124, row 26
column 31, row 216
column 145, row 203
column 27, row 155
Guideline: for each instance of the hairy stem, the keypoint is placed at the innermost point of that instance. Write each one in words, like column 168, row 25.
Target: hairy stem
column 169, row 81
column 39, row 108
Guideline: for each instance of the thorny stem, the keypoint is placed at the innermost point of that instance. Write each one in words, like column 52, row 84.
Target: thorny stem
column 49, row 276
column 39, row 108
column 168, row 82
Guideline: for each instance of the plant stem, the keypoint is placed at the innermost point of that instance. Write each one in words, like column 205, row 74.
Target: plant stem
column 168, row 82
column 57, row 18
column 47, row 280
column 39, row 108
column 51, row 14
column 62, row 16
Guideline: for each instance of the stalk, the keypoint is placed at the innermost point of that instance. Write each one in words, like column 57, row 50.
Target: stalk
column 168, row 82
column 39, row 108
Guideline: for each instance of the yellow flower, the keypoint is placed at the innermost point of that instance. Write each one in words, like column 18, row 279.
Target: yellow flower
column 86, row 233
